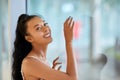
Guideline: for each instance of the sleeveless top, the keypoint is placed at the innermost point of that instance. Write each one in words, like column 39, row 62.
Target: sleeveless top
column 36, row 59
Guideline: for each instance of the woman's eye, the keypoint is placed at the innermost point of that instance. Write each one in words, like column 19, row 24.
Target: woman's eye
column 38, row 28
column 45, row 24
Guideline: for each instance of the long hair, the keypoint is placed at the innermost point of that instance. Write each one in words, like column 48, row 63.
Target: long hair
column 21, row 46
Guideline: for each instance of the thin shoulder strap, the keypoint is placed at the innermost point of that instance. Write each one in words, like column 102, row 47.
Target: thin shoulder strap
column 23, row 76
column 38, row 59
column 34, row 58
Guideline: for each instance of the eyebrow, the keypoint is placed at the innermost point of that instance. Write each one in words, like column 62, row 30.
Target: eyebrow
column 38, row 24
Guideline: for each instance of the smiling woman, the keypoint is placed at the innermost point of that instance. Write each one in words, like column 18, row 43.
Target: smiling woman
column 29, row 57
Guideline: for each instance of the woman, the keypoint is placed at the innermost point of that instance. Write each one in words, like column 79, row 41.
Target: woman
column 29, row 57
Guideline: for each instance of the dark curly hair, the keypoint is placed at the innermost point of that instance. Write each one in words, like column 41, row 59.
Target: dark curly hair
column 21, row 46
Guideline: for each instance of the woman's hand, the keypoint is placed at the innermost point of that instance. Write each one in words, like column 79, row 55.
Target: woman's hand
column 68, row 29
column 55, row 63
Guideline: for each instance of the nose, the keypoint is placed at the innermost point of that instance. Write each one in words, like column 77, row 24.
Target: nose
column 45, row 29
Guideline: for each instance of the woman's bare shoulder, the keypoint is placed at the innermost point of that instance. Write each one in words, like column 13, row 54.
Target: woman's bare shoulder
column 33, row 62
column 34, row 67
column 29, row 60
column 29, row 64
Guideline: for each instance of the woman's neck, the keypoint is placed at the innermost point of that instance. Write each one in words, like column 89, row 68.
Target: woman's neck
column 39, row 52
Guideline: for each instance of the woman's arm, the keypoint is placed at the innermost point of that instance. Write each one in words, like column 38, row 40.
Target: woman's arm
column 68, row 33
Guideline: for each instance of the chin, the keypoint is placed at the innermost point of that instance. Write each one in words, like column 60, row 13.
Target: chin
column 51, row 40
column 47, row 41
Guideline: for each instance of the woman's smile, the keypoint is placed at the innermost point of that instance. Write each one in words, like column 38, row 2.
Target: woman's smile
column 48, row 35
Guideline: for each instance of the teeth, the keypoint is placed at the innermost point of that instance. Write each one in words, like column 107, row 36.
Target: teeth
column 47, row 35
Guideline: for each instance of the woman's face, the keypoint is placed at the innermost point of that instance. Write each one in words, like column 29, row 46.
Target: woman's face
column 38, row 31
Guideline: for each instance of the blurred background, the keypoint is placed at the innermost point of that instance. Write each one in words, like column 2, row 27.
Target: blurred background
column 96, row 34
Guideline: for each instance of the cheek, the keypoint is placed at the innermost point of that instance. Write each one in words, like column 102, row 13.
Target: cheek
column 38, row 36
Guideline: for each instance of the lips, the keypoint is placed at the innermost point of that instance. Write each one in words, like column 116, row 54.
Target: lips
column 47, row 35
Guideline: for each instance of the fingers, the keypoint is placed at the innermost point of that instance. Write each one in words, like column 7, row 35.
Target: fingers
column 72, row 24
column 55, row 64
column 55, row 60
column 69, row 22
column 59, row 67
column 67, row 19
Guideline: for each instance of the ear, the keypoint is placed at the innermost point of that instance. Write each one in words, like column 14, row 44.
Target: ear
column 29, row 39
